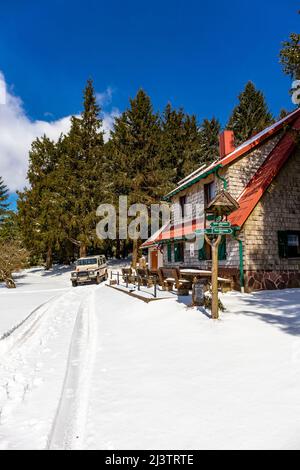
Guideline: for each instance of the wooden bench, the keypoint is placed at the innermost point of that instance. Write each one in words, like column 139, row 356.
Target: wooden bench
column 170, row 276
column 128, row 275
column 144, row 277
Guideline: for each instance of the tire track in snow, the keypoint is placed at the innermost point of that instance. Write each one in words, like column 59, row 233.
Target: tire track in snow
column 69, row 424
column 20, row 333
column 22, row 349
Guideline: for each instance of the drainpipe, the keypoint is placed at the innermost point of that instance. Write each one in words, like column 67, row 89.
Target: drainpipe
column 241, row 256
column 225, row 184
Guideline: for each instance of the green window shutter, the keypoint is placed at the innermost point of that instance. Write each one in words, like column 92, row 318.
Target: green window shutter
column 202, row 254
column 282, row 244
column 178, row 252
column 222, row 249
column 169, row 252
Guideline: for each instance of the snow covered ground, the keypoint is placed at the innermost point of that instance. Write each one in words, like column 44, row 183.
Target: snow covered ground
column 34, row 286
column 95, row 368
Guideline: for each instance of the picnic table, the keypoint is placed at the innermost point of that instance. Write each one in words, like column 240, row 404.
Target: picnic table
column 190, row 273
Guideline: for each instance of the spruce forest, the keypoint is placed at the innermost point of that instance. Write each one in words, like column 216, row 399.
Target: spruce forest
column 143, row 158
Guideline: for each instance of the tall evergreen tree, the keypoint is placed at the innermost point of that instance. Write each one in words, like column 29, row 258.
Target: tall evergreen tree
column 209, row 140
column 136, row 159
column 9, row 228
column 173, row 142
column 251, row 115
column 3, row 199
column 179, row 143
column 138, row 163
column 290, row 56
column 39, row 206
column 81, row 173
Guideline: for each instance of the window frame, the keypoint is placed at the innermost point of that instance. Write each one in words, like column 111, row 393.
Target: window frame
column 169, row 252
column 179, row 248
column 284, row 249
column 182, row 202
column 208, row 193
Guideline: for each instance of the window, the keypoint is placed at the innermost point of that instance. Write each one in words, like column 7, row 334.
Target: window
column 182, row 201
column 289, row 244
column 178, row 252
column 86, row 261
column 209, row 192
column 222, row 249
column 169, row 253
column 205, row 251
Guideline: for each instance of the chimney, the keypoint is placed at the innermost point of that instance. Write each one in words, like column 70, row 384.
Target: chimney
column 226, row 143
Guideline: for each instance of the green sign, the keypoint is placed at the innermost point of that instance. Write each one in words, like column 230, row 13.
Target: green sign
column 222, row 230
column 220, row 224
column 215, row 231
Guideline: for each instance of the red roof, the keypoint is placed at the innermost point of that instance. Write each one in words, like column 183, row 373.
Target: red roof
column 264, row 176
column 238, row 152
column 171, row 232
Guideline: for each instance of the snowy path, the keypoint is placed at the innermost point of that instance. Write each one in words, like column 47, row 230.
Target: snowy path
column 38, row 378
column 70, row 420
column 93, row 368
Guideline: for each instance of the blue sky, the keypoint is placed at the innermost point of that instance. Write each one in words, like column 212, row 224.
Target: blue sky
column 198, row 55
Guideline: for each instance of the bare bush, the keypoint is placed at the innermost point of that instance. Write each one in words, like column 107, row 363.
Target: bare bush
column 13, row 258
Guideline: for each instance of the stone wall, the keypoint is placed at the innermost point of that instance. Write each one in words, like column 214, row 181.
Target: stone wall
column 278, row 209
column 195, row 196
column 241, row 171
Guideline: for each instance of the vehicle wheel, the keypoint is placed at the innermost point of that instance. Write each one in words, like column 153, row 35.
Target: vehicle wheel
column 74, row 283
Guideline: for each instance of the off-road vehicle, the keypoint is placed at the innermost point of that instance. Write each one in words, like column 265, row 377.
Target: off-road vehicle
column 92, row 269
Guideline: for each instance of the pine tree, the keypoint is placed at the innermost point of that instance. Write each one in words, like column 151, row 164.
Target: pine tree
column 136, row 160
column 209, row 140
column 180, row 143
column 192, row 153
column 290, row 56
column 9, row 228
column 3, row 200
column 80, row 173
column 173, row 142
column 40, row 206
column 251, row 115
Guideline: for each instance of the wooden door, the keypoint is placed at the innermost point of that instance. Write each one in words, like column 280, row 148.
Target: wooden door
column 154, row 260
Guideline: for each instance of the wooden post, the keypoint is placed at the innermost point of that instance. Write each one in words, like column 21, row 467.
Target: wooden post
column 214, row 275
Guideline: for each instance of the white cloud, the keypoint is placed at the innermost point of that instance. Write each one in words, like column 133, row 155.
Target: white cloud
column 17, row 132
column 105, row 97
column 108, row 121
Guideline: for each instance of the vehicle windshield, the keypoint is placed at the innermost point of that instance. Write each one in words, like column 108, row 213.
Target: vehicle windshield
column 86, row 262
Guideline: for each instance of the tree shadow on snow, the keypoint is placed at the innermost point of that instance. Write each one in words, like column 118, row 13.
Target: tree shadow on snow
column 187, row 301
column 56, row 271
column 280, row 308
